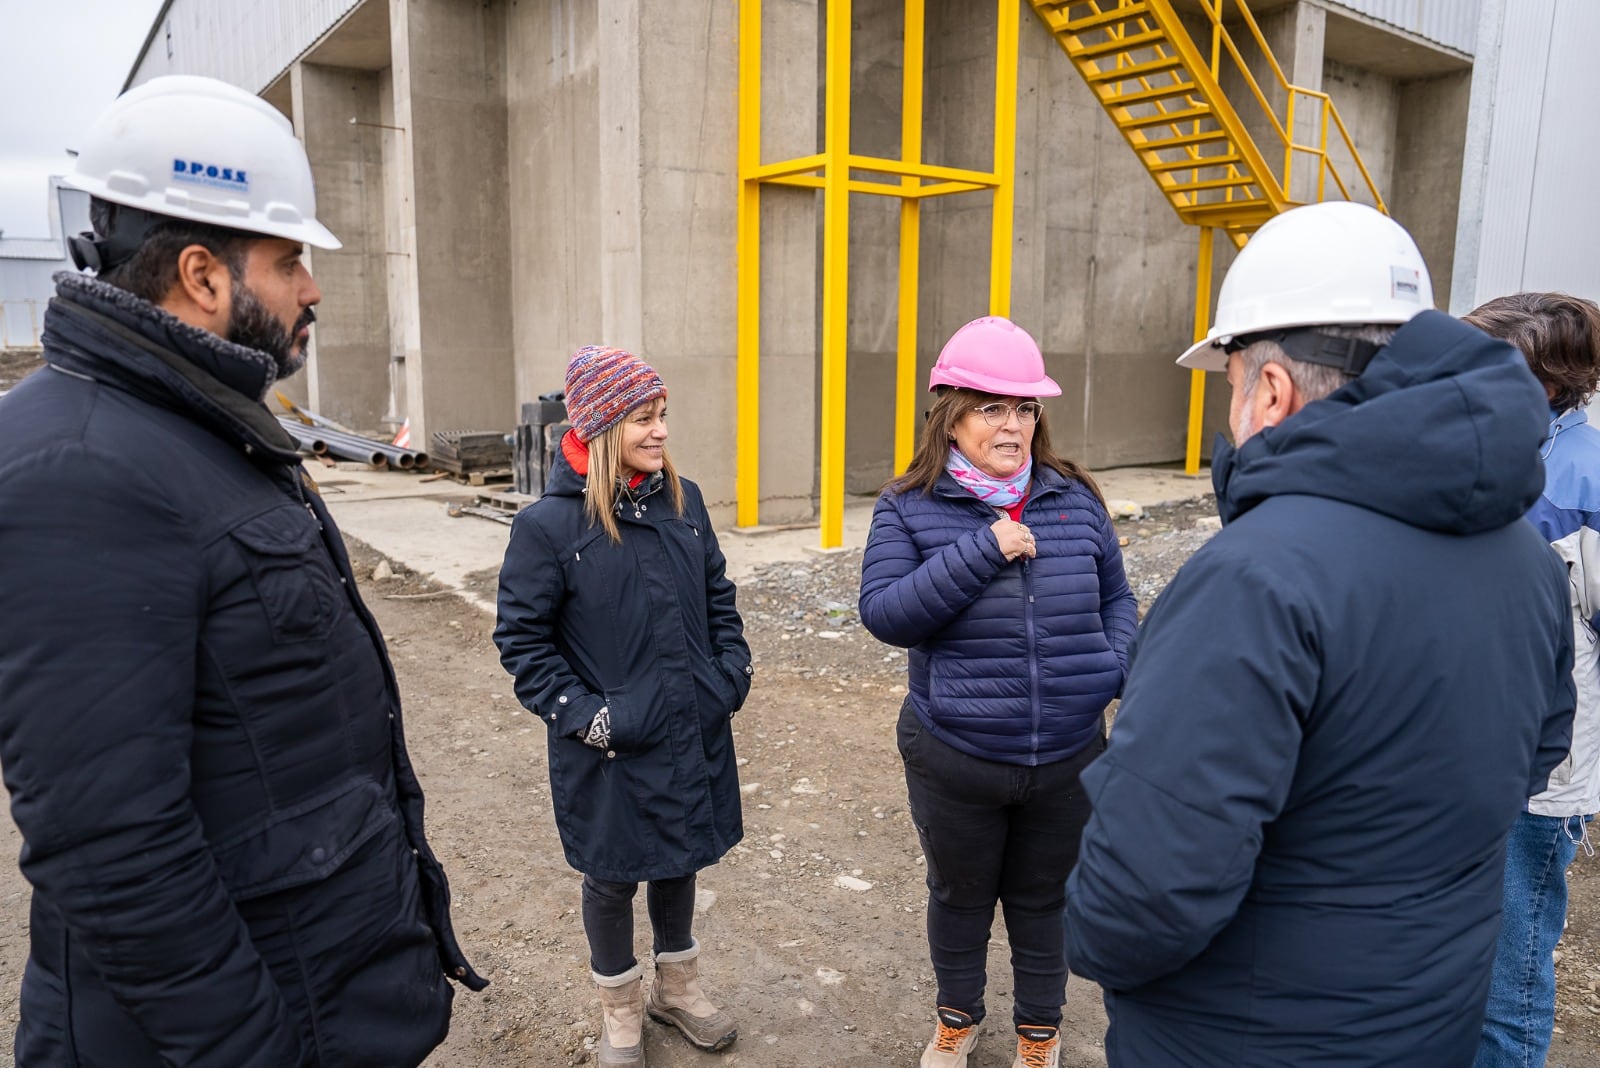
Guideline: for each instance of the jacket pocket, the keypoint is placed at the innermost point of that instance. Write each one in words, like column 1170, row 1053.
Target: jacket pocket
column 305, row 843
column 291, row 574
column 638, row 719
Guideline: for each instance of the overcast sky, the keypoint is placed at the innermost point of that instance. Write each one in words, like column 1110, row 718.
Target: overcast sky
column 62, row 62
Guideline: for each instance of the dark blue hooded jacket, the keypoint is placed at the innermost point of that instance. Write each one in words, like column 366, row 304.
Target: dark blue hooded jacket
column 1013, row 662
column 199, row 724
column 1334, row 715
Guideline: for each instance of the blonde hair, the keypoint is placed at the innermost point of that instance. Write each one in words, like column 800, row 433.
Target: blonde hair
column 605, row 475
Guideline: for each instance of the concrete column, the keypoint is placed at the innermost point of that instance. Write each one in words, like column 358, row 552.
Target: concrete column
column 347, row 374
column 556, row 203
column 450, row 99
column 1425, row 194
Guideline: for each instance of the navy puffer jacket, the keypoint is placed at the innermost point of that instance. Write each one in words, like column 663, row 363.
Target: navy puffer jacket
column 1013, row 662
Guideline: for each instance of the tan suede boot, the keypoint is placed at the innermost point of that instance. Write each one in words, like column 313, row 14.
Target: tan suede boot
column 622, row 1018
column 676, row 999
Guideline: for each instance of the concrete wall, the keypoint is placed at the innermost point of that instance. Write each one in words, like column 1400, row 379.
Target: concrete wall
column 622, row 220
column 449, row 95
column 553, row 101
column 1369, row 104
column 1425, row 196
column 346, row 377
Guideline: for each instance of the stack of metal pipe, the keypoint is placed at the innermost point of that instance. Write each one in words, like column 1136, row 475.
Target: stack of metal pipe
column 324, row 439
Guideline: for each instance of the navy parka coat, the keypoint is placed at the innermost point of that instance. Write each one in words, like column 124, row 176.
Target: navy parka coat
column 1334, row 713
column 649, row 629
column 199, row 726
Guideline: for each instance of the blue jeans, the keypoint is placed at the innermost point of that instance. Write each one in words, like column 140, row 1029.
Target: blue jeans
column 1522, row 989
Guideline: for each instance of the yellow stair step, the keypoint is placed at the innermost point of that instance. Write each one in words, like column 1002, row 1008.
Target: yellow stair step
column 1210, row 183
column 1166, row 166
column 1114, row 45
column 1197, row 138
column 1136, row 71
column 1162, row 118
column 1145, row 96
column 1104, row 18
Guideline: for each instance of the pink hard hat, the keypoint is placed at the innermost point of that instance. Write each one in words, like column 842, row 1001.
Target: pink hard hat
column 996, row 356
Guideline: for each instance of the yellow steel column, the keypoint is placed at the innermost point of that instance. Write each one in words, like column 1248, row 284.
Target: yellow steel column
column 1005, row 157
column 747, row 372
column 835, row 267
column 905, row 407
column 1202, row 324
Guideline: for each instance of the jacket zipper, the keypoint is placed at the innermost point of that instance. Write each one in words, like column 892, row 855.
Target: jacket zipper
column 1031, row 632
column 1033, row 657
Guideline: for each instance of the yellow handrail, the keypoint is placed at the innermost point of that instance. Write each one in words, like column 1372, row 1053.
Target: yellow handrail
column 1223, row 41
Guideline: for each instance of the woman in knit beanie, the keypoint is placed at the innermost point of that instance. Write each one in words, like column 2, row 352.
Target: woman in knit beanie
column 619, row 624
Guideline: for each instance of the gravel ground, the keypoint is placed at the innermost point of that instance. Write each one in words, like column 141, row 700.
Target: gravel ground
column 17, row 364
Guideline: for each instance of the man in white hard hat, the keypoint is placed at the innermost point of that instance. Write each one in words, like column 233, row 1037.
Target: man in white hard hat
column 1336, row 709
column 199, row 726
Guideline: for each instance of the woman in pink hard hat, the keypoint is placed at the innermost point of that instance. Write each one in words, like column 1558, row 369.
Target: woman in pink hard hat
column 994, row 561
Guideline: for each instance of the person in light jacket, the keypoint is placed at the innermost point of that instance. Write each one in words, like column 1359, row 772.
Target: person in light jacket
column 619, row 624
column 1560, row 338
column 994, row 561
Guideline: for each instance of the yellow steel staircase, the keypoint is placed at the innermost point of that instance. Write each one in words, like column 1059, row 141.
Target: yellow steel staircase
column 1173, row 96
column 1164, row 90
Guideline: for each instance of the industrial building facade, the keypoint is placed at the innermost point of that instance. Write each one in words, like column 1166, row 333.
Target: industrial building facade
column 515, row 178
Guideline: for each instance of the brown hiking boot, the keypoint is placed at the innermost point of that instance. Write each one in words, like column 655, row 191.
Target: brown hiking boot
column 622, row 1018
column 676, row 999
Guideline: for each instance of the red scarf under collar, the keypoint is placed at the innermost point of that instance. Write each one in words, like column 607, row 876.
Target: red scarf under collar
column 577, row 454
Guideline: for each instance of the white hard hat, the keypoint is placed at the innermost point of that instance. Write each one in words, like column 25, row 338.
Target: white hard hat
column 1323, row 264
column 194, row 148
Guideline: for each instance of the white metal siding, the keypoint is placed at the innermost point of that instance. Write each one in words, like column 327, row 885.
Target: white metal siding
column 1529, row 217
column 1451, row 23
column 244, row 42
column 1563, row 250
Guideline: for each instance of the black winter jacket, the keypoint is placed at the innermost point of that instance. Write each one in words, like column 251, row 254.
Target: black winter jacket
column 1333, row 716
column 649, row 629
column 199, row 726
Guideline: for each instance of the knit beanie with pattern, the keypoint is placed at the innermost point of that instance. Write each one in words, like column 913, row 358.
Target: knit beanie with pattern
column 605, row 384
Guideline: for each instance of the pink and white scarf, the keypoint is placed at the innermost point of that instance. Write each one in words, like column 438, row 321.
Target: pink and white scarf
column 995, row 492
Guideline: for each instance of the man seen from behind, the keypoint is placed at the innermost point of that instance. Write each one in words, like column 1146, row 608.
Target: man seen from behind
column 1338, row 706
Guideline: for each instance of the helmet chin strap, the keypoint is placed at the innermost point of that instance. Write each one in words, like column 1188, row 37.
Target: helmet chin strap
column 1313, row 346
column 102, row 252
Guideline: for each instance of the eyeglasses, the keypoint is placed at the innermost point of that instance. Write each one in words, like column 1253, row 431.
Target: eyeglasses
column 998, row 413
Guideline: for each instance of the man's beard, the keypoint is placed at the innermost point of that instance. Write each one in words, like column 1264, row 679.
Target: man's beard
column 250, row 324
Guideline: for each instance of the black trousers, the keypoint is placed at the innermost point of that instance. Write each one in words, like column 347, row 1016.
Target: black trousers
column 995, row 832
column 608, row 920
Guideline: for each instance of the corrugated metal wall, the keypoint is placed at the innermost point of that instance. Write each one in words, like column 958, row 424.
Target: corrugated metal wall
column 245, row 42
column 1529, row 217
column 1452, row 23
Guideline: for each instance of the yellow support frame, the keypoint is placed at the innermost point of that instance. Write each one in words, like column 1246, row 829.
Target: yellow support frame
column 909, row 179
column 1202, row 326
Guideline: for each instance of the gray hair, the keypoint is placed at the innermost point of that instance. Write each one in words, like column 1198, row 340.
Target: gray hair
column 1313, row 381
